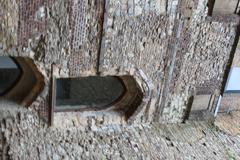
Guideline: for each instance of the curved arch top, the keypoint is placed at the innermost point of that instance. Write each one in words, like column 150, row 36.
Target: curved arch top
column 28, row 85
column 95, row 93
column 10, row 73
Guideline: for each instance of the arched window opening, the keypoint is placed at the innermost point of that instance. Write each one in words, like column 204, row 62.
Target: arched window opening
column 88, row 93
column 95, row 93
column 20, row 80
column 9, row 74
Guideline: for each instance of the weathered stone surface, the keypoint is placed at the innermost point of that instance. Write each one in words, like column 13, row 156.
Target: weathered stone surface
column 200, row 66
column 229, row 122
column 9, row 25
column 230, row 102
column 87, row 27
column 172, row 48
column 26, row 137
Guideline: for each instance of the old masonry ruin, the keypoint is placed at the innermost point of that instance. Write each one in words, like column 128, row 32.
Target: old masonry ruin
column 98, row 65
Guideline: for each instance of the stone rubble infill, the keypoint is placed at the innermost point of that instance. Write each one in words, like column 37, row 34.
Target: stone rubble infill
column 26, row 137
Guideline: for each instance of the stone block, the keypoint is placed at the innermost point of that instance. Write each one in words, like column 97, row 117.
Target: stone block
column 201, row 102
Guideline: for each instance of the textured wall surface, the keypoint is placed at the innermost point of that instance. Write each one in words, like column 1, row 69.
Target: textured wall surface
column 25, row 137
column 171, row 48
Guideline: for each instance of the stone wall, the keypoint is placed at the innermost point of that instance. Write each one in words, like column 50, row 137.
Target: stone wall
column 24, row 136
column 203, row 65
column 171, row 48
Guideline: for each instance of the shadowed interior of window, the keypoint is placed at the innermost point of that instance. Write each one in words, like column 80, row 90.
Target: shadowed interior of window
column 92, row 92
column 9, row 74
column 20, row 80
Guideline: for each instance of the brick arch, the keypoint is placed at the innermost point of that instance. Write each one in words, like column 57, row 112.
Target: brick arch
column 132, row 98
column 29, row 85
column 122, row 109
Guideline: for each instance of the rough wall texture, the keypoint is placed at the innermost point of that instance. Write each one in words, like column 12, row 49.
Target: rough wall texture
column 87, row 22
column 203, row 65
column 172, row 48
column 9, row 25
column 201, row 62
column 23, row 136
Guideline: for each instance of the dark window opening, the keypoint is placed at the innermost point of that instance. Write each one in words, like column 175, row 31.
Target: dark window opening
column 20, row 80
column 210, row 6
column 9, row 74
column 120, row 94
column 93, row 92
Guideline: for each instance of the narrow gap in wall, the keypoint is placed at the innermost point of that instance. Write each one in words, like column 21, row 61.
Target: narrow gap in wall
column 100, row 55
column 237, row 10
column 210, row 6
column 188, row 109
column 4, row 148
